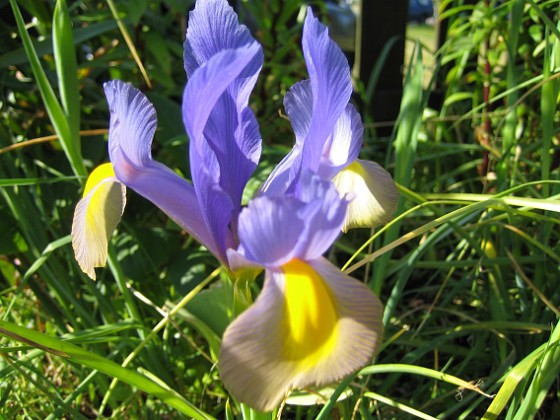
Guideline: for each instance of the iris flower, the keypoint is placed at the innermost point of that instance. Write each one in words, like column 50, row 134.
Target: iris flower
column 311, row 324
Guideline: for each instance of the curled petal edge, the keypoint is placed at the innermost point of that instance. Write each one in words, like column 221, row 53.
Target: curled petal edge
column 375, row 194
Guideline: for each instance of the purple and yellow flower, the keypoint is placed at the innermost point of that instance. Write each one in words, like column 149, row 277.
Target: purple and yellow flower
column 329, row 132
column 311, row 324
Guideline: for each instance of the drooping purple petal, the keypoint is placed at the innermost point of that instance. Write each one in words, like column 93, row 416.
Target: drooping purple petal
column 131, row 131
column 331, row 85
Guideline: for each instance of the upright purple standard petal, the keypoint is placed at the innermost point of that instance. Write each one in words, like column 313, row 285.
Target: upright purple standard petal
column 299, row 107
column 344, row 144
column 131, row 131
column 222, row 61
column 213, row 27
column 224, row 141
column 328, row 130
column 331, row 85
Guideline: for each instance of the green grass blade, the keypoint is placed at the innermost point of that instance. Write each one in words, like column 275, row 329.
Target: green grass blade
column 505, row 178
column 37, row 9
column 55, row 111
column 406, row 140
column 94, row 361
column 66, row 70
column 422, row 371
column 512, row 380
column 400, row 406
column 546, row 374
column 129, row 42
column 542, row 14
column 20, row 182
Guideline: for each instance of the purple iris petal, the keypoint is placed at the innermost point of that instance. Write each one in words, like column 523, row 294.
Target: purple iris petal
column 216, row 204
column 213, row 27
column 324, row 214
column 284, row 173
column 331, row 85
column 344, row 145
column 328, row 130
column 230, row 128
column 132, row 126
column 274, row 230
column 224, row 139
column 270, row 230
column 299, row 107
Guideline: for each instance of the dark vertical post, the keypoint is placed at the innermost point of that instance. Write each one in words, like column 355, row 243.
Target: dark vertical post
column 379, row 22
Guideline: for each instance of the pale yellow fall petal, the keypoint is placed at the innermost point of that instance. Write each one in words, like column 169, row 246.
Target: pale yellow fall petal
column 374, row 193
column 310, row 326
column 96, row 217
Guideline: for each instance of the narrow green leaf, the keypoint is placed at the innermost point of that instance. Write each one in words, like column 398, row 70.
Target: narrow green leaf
column 37, row 9
column 422, row 371
column 403, row 407
column 512, row 380
column 66, row 70
column 406, row 140
column 20, row 182
column 55, row 111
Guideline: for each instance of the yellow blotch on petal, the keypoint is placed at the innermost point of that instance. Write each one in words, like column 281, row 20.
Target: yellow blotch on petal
column 96, row 217
column 375, row 195
column 311, row 317
column 310, row 326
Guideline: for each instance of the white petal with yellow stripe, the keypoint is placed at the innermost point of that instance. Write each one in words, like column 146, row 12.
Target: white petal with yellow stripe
column 96, row 217
column 310, row 326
